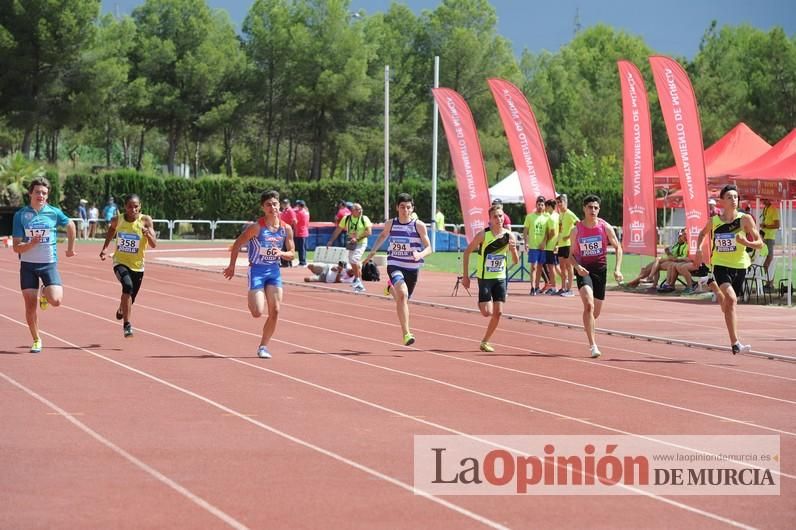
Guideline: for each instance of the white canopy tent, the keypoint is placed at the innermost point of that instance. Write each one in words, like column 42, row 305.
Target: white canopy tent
column 508, row 190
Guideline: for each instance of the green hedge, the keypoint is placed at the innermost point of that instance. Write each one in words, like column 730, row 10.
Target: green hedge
column 238, row 198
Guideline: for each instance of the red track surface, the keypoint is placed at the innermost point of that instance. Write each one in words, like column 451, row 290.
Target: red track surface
column 183, row 426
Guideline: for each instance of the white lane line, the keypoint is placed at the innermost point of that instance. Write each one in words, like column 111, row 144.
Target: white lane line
column 599, row 364
column 245, row 417
column 649, row 495
column 503, row 330
column 143, row 466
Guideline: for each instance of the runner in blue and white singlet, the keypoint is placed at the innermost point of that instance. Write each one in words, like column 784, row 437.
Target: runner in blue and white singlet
column 264, row 256
column 264, row 240
column 408, row 246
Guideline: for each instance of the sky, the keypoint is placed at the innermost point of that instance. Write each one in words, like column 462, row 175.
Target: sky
column 670, row 27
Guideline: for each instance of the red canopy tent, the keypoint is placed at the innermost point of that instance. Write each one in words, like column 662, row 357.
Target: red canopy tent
column 781, row 150
column 739, row 146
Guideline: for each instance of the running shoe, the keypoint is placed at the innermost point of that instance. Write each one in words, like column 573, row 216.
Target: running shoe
column 119, row 314
column 568, row 293
column 409, row 339
column 128, row 330
column 387, row 289
column 36, row 348
column 359, row 288
column 263, row 353
column 595, row 351
column 485, row 346
column 43, row 303
column 741, row 348
column 551, row 292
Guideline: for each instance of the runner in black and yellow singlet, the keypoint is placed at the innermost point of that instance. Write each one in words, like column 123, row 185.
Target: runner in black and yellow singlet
column 731, row 232
column 134, row 233
column 495, row 244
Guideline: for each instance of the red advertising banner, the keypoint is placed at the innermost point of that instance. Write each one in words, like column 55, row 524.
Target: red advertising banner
column 681, row 116
column 468, row 162
column 525, row 142
column 639, row 235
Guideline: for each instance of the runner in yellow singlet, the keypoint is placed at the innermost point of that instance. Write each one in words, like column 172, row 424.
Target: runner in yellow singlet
column 134, row 233
column 731, row 232
column 494, row 246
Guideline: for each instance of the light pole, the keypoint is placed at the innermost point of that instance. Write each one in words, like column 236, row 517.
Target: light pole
column 434, row 226
column 386, row 142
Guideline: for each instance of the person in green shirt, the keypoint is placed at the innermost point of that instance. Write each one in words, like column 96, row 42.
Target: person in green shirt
column 439, row 220
column 494, row 244
column 731, row 233
column 769, row 224
column 534, row 231
column 551, row 242
column 566, row 220
column 358, row 228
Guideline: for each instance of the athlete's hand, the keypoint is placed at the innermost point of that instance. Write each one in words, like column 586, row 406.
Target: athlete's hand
column 466, row 281
column 229, row 272
column 416, row 255
column 618, row 276
column 35, row 240
column 581, row 270
column 103, row 254
column 70, row 253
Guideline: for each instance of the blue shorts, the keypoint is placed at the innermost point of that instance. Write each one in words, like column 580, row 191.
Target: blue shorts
column 261, row 276
column 29, row 274
column 536, row 256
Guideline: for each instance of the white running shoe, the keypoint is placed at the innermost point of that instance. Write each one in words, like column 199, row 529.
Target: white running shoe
column 741, row 348
column 595, row 351
column 263, row 353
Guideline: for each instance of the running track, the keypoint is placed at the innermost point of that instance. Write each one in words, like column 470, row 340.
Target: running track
column 183, row 426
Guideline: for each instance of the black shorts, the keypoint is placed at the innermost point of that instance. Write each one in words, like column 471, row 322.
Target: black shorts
column 563, row 252
column 596, row 279
column 730, row 275
column 550, row 257
column 130, row 280
column 492, row 289
column 407, row 276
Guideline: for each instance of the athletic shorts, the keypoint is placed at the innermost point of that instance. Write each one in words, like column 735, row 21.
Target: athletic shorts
column 596, row 279
column 130, row 279
column 407, row 276
column 550, row 257
column 730, row 275
column 536, row 256
column 261, row 276
column 492, row 290
column 30, row 273
column 563, row 252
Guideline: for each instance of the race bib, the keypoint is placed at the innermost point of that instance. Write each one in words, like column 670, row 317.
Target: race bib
column 269, row 253
column 591, row 245
column 38, row 230
column 495, row 263
column 400, row 247
column 725, row 242
column 128, row 243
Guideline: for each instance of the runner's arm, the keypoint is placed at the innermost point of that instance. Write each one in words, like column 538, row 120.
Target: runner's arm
column 379, row 241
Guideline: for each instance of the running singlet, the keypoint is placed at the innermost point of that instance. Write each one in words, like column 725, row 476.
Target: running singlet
column 403, row 240
column 29, row 223
column 493, row 257
column 130, row 244
column 264, row 249
column 727, row 252
column 591, row 244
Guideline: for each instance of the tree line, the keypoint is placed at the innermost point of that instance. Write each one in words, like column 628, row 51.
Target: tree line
column 297, row 93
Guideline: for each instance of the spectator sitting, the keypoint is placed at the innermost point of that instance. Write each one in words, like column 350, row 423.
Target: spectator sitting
column 649, row 274
column 340, row 273
column 677, row 254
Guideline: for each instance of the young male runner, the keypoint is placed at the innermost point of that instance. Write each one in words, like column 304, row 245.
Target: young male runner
column 265, row 239
column 731, row 232
column 409, row 244
column 134, row 233
column 590, row 239
column 34, row 239
column 494, row 244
